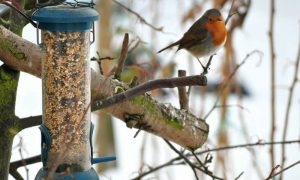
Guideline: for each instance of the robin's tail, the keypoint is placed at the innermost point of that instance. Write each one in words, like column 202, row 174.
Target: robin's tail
column 171, row 45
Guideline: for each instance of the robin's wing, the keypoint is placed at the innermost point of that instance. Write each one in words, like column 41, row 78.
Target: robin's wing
column 197, row 34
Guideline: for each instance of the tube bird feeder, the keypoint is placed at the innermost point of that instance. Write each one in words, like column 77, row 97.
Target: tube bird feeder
column 66, row 128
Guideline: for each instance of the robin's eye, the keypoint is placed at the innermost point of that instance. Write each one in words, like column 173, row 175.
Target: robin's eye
column 210, row 19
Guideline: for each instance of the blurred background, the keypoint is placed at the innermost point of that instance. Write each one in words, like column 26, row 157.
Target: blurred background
column 243, row 114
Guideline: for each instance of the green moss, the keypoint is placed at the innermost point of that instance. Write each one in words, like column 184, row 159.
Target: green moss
column 9, row 46
column 175, row 123
column 8, row 89
column 145, row 102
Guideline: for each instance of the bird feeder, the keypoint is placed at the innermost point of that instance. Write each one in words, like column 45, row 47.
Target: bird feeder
column 66, row 128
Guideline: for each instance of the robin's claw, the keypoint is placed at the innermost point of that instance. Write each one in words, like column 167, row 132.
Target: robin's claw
column 205, row 70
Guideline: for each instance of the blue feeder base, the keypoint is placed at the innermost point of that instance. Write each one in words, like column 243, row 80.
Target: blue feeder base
column 90, row 174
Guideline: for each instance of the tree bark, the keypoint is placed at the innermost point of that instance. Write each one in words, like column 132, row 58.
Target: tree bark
column 8, row 89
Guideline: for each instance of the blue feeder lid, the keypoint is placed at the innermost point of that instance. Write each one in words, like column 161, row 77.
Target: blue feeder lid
column 65, row 18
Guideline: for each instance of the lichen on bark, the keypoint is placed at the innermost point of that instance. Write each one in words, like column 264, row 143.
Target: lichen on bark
column 8, row 121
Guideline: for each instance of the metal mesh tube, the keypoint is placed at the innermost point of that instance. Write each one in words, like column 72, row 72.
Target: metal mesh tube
column 66, row 98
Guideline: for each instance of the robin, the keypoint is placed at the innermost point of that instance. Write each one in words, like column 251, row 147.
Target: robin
column 204, row 37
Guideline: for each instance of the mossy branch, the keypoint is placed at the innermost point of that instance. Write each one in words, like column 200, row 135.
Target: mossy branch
column 141, row 112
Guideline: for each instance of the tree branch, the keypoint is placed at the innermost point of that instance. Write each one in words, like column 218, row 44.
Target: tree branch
column 119, row 68
column 248, row 145
column 141, row 112
column 193, row 166
column 179, row 158
column 15, row 165
column 272, row 175
column 197, row 80
column 183, row 157
column 225, row 84
column 272, row 87
column 288, row 106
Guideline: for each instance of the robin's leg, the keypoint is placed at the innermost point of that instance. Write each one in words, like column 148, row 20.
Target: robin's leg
column 208, row 64
column 201, row 63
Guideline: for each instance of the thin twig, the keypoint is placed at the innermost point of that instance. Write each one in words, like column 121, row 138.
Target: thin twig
column 24, row 163
column 238, row 177
column 199, row 161
column 288, row 107
column 100, row 59
column 272, row 87
column 198, row 80
column 179, row 158
column 124, row 51
column 20, row 12
column 226, row 83
column 247, row 146
column 232, row 105
column 169, row 163
column 183, row 156
column 15, row 165
column 273, row 171
column 138, row 16
column 284, row 169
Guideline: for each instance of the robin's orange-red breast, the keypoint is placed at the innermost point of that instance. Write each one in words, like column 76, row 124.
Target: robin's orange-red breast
column 205, row 36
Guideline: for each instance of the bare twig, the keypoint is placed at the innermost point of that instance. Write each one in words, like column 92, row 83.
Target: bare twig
column 183, row 156
column 284, row 169
column 136, row 42
column 24, row 164
column 288, row 107
column 193, row 166
column 248, row 145
column 138, row 16
column 273, row 171
column 169, row 163
column 225, row 84
column 99, row 60
column 15, row 165
column 238, row 177
column 273, row 95
column 20, row 12
column 183, row 96
column 179, row 158
column 102, row 58
column 200, row 162
column 232, row 105
column 148, row 86
column 124, row 51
